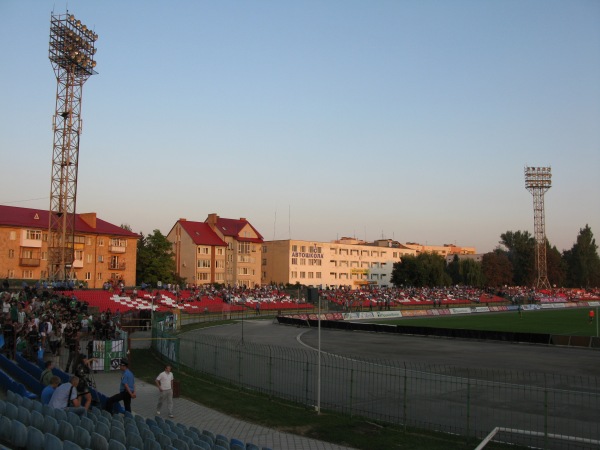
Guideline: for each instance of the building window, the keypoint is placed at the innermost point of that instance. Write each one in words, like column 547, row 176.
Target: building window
column 88, row 276
column 220, row 251
column 220, row 264
column 294, row 274
column 294, row 248
column 45, row 237
column 317, row 274
column 34, row 235
column 204, row 263
column 115, row 242
column 44, row 257
column 100, row 242
column 202, row 276
column 100, row 258
column 302, row 261
column 264, row 261
column 295, row 261
column 11, row 273
column 244, row 247
column 12, row 235
column 203, row 250
column 28, row 274
column 11, row 253
column 79, row 239
column 310, row 275
column 88, row 241
column 264, row 249
column 302, row 274
column 99, row 276
column 88, row 259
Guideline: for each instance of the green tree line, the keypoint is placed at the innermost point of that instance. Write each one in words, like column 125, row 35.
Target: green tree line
column 511, row 263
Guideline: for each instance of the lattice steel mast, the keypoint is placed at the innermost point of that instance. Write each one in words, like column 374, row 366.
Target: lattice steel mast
column 537, row 181
column 72, row 56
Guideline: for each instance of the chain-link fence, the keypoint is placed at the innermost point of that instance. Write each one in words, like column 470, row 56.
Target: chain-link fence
column 542, row 410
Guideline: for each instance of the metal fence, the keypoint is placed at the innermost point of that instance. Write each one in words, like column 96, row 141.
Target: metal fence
column 542, row 410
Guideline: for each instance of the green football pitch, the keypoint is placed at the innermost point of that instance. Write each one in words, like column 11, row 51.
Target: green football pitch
column 571, row 322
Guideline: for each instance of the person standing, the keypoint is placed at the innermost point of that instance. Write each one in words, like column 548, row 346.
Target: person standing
column 164, row 382
column 591, row 316
column 126, row 389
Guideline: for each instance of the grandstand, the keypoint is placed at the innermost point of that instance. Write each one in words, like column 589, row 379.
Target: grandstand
column 26, row 423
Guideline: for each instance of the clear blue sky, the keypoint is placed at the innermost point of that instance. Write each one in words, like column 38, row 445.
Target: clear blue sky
column 410, row 120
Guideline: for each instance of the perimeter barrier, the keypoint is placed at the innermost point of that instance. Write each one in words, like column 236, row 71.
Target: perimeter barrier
column 558, row 411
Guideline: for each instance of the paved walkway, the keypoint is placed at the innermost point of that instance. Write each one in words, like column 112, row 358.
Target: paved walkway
column 191, row 413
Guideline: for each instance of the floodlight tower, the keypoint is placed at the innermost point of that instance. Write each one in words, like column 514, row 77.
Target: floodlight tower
column 72, row 56
column 537, row 181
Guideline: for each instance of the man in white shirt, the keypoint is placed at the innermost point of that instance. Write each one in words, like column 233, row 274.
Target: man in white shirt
column 65, row 397
column 164, row 382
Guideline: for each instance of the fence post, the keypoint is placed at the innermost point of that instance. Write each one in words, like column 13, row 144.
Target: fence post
column 405, row 401
column 351, row 389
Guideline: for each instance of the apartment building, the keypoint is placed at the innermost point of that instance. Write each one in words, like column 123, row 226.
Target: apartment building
column 345, row 262
column 103, row 251
column 218, row 250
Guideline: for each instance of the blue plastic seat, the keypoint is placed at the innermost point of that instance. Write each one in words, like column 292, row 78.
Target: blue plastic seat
column 103, row 430
column 60, row 414
column 11, row 410
column 117, row 434
column 180, row 445
column 87, row 424
column 73, row 419
column 113, row 444
column 68, row 445
column 5, row 424
column 163, row 440
column 65, row 431
column 50, row 425
column 82, row 437
column 135, row 440
column 98, row 442
column 23, row 415
column 18, row 434
column 52, row 442
column 36, row 419
column 201, row 445
column 35, row 438
column 151, row 445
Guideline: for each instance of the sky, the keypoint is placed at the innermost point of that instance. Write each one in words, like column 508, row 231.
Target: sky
column 410, row 120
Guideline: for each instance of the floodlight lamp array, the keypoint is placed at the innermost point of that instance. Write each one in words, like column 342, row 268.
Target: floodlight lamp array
column 538, row 177
column 72, row 45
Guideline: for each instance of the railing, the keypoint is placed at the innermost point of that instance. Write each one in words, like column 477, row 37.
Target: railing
column 29, row 262
column 118, row 266
column 468, row 402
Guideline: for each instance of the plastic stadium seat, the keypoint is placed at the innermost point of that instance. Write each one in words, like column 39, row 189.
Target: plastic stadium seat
column 87, row 424
column 98, row 442
column 223, row 443
column 117, row 434
column 65, row 431
column 51, row 442
column 152, row 445
column 82, row 437
column 103, row 430
column 50, row 425
column 47, row 410
column 5, row 424
column 207, row 439
column 251, row 446
column 36, row 419
column 113, row 444
column 73, row 419
column 237, row 446
column 234, row 441
column 164, row 440
column 201, row 445
column 134, row 440
column 27, row 403
column 68, row 445
column 220, row 447
column 60, row 414
column 210, row 434
column 23, row 415
column 180, row 445
column 11, row 411
column 35, row 439
column 18, row 434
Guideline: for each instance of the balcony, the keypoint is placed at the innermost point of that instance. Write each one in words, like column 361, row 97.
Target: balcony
column 29, row 262
column 117, row 249
column 78, row 263
column 118, row 266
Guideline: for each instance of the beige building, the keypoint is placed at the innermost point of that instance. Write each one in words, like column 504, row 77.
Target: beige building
column 443, row 250
column 103, row 251
column 346, row 262
column 218, row 250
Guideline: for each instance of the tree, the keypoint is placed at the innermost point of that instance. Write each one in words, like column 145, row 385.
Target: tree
column 496, row 268
column 521, row 254
column 155, row 260
column 470, row 272
column 426, row 269
column 583, row 262
column 556, row 267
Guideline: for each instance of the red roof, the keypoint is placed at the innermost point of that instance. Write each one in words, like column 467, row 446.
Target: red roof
column 201, row 233
column 233, row 227
column 39, row 218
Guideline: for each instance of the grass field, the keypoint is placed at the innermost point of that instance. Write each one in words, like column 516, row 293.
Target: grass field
column 571, row 322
